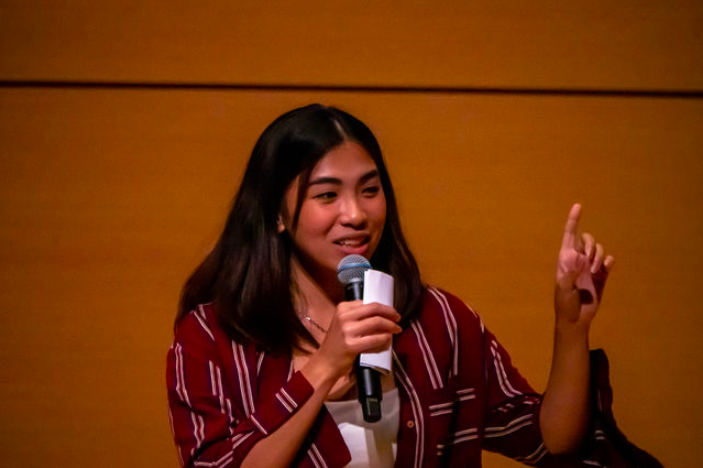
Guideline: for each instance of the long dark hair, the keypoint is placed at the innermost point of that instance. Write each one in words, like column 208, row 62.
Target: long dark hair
column 247, row 276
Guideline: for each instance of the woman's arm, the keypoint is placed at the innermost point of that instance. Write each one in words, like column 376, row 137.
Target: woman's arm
column 355, row 328
column 205, row 428
column 281, row 446
column 582, row 270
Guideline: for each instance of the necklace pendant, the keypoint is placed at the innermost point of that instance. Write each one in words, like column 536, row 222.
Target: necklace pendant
column 309, row 319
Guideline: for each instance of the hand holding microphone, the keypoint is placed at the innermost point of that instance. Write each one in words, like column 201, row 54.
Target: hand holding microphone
column 365, row 328
column 356, row 328
column 376, row 288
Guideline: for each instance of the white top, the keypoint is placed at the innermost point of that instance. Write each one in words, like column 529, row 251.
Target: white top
column 371, row 445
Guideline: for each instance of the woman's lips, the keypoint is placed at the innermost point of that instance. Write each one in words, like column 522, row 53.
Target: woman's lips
column 353, row 245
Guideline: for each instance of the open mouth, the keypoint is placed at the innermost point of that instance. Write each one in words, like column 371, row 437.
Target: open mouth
column 354, row 245
column 355, row 242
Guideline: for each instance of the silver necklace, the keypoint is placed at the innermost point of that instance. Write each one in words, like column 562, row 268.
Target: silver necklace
column 309, row 319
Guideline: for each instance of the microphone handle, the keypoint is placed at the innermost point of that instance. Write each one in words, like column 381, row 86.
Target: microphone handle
column 368, row 380
column 354, row 291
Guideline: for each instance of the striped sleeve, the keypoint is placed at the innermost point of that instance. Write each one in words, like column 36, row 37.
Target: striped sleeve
column 209, row 426
column 270, row 415
column 512, row 419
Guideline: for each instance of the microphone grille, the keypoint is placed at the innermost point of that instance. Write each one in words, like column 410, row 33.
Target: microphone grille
column 352, row 268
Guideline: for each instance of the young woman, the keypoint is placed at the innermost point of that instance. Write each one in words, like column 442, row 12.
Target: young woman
column 260, row 371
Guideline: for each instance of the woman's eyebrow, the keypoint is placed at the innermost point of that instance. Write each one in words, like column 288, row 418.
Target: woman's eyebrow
column 325, row 180
column 337, row 181
column 368, row 176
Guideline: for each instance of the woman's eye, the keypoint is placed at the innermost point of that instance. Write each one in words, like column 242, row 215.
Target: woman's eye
column 326, row 196
column 371, row 190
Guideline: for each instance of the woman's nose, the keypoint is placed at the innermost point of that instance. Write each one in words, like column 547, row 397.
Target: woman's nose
column 352, row 212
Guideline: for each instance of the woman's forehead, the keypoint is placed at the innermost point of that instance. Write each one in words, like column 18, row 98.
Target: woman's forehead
column 348, row 160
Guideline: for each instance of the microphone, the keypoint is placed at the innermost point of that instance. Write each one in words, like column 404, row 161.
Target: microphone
column 350, row 273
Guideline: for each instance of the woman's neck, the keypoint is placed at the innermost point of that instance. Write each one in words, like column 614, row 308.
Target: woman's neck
column 313, row 298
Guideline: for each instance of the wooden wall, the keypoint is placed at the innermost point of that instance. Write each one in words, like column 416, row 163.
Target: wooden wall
column 494, row 118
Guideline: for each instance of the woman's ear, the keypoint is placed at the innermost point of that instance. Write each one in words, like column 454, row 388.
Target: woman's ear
column 280, row 225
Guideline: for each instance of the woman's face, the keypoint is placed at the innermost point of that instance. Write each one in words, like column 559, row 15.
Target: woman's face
column 343, row 211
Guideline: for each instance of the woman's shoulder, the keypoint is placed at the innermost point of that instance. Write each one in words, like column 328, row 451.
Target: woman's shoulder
column 444, row 330
column 199, row 326
column 201, row 329
column 438, row 303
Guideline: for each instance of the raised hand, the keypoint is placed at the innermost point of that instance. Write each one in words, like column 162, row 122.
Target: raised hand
column 582, row 270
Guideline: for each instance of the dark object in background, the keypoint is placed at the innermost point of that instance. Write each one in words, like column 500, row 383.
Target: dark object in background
column 605, row 445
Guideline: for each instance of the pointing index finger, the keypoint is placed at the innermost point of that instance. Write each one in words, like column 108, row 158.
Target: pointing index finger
column 572, row 226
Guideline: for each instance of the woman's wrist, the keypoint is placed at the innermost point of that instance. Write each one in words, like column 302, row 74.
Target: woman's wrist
column 320, row 373
column 565, row 325
column 571, row 347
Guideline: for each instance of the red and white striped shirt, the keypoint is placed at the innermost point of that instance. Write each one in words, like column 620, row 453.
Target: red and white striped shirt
column 458, row 392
